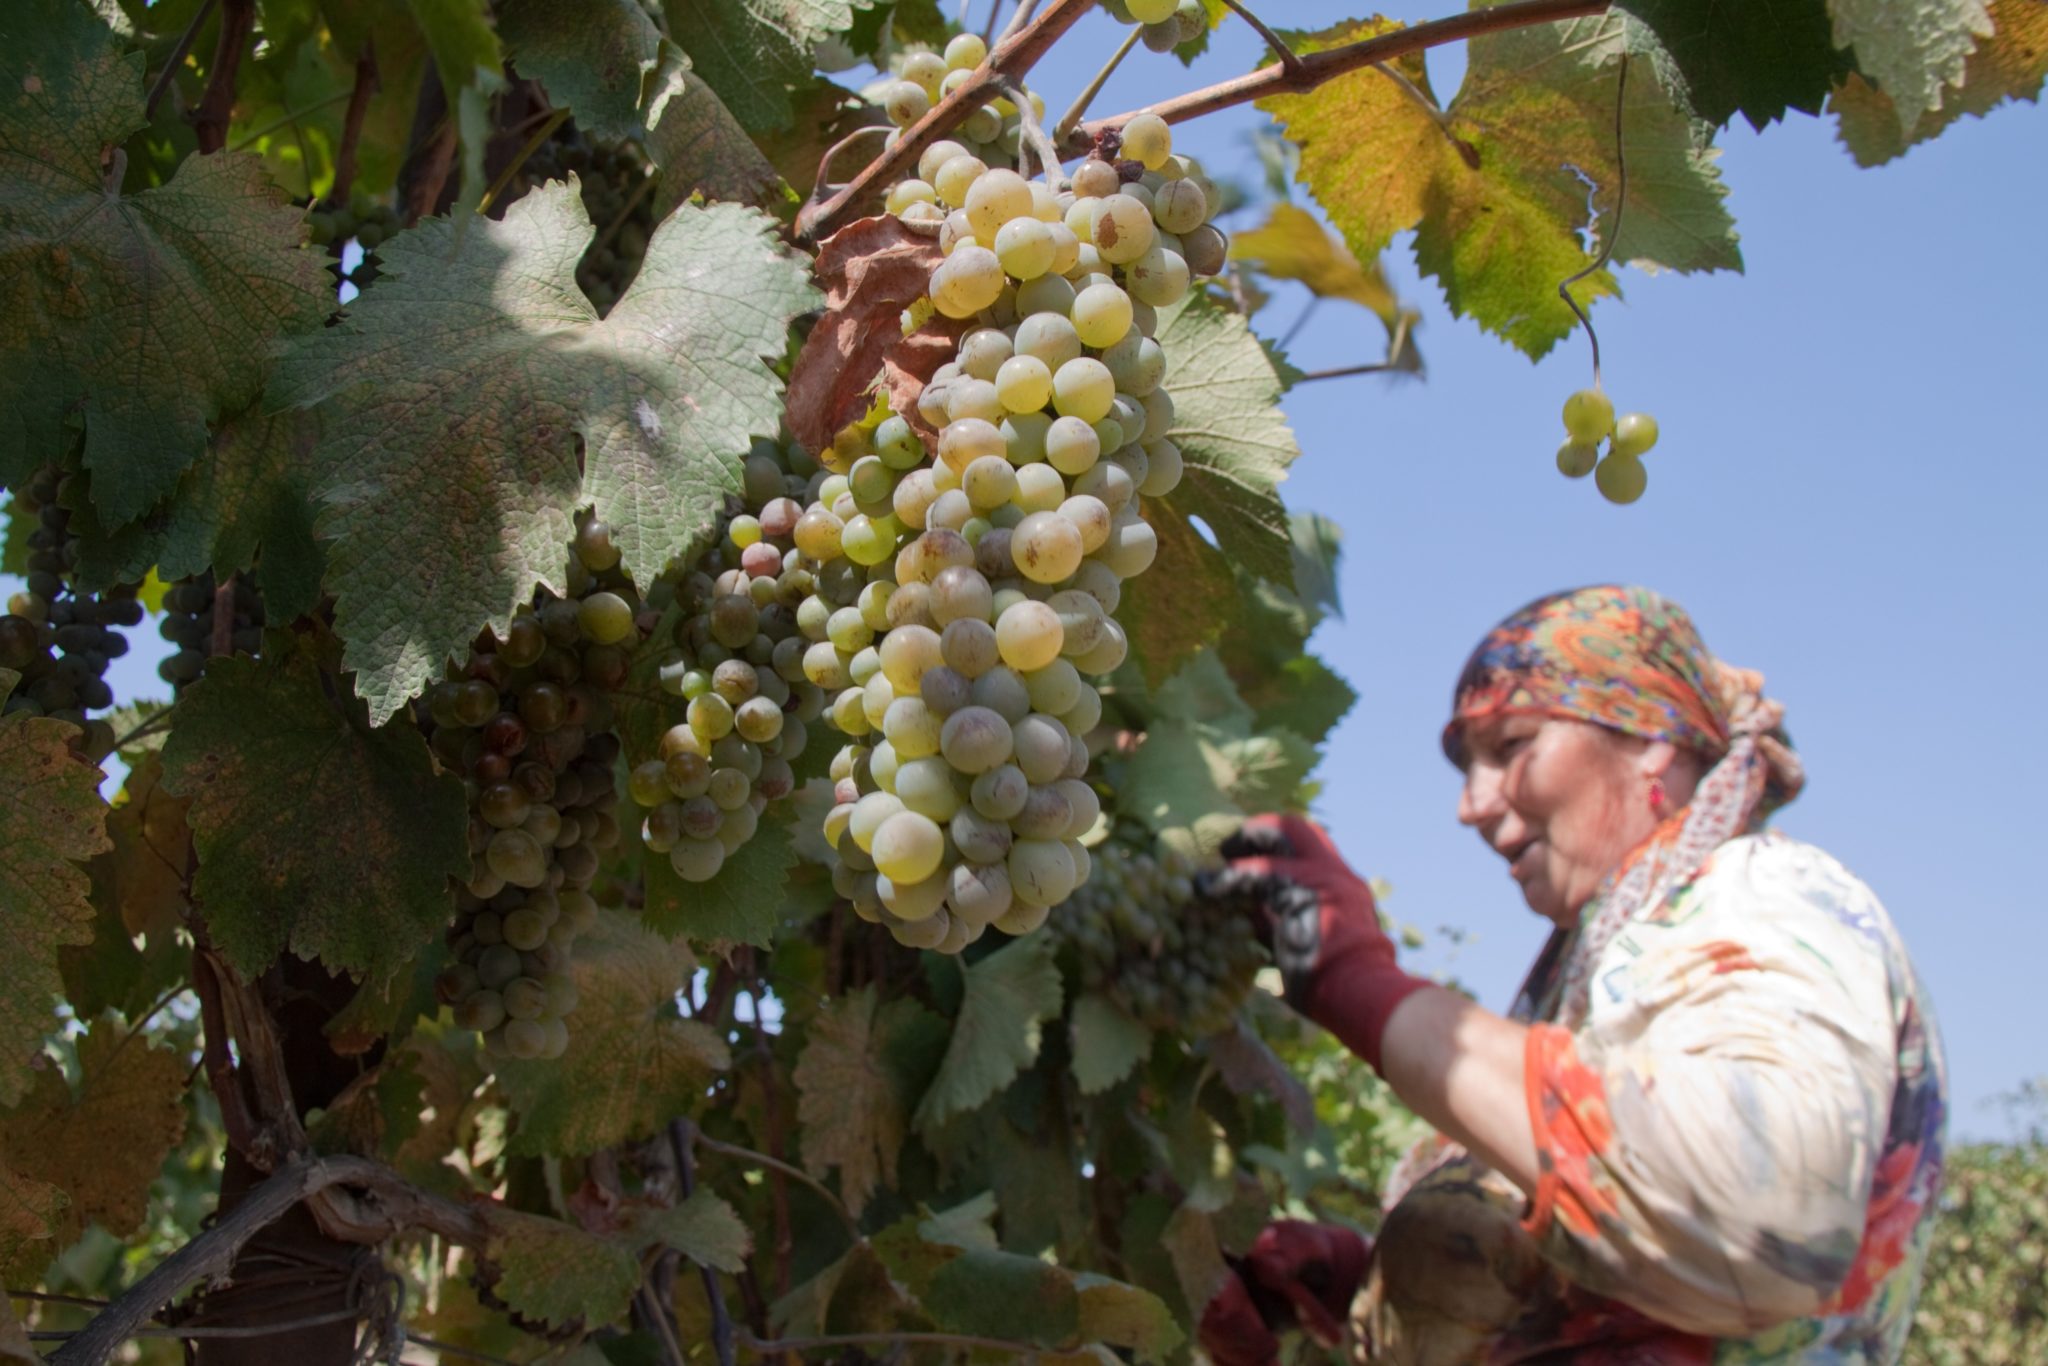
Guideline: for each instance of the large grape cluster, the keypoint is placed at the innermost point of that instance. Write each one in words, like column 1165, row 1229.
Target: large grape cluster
column 738, row 668
column 1158, row 931
column 965, row 589
column 526, row 722
column 189, row 607
column 58, row 639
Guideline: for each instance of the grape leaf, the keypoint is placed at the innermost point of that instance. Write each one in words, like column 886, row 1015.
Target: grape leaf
column 1268, row 769
column 1756, row 60
column 557, row 1273
column 1304, row 695
column 1231, row 433
column 1292, row 245
column 51, row 820
column 1198, row 1266
column 1163, row 633
column 1249, row 1067
column 851, row 1110
column 754, row 52
column 1007, row 995
column 316, row 834
column 462, row 386
column 698, row 144
column 1126, row 1315
column 1175, row 779
column 591, row 58
column 101, row 1144
column 376, row 1113
column 1108, row 1043
column 30, row 1213
column 1497, row 185
column 151, row 314
column 633, row 1063
column 702, row 1228
column 252, row 491
column 1911, row 49
column 138, row 889
column 744, row 904
column 1005, row 1295
column 2009, row 65
column 852, row 1294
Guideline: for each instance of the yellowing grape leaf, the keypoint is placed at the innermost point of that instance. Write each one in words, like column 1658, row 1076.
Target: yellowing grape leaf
column 754, row 52
column 1107, row 1043
column 30, row 1213
column 102, row 1143
column 316, row 834
column 2009, row 65
column 698, row 144
column 1005, row 1295
column 51, row 821
column 591, row 58
column 148, row 315
column 1758, row 60
column 851, row 1102
column 996, row 1034
column 633, row 1062
column 1496, row 186
column 1911, row 49
column 1125, row 1315
column 476, row 400
column 1292, row 245
column 703, row 1228
column 557, row 1273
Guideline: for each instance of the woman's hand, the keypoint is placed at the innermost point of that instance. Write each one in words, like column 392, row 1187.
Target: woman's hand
column 1297, row 1274
column 1337, row 962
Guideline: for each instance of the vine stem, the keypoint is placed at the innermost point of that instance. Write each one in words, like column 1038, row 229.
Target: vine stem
column 733, row 1150
column 1289, row 58
column 1317, row 68
column 540, row 135
column 1608, row 238
column 1079, row 107
column 367, row 83
column 682, row 1138
column 1013, row 56
column 217, row 105
column 170, row 71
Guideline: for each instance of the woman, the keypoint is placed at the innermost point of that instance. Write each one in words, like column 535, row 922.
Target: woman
column 1710, row 1128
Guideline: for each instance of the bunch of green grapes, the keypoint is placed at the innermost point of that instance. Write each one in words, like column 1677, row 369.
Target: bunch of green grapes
column 1157, row 931
column 364, row 219
column 58, row 639
column 1166, row 23
column 738, row 668
column 525, row 721
column 1589, row 420
column 965, row 590
column 188, row 625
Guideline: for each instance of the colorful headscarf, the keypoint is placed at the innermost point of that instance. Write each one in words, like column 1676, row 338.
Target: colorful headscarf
column 1625, row 658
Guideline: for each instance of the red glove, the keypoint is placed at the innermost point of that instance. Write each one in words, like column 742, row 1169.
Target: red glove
column 1297, row 1274
column 1336, row 961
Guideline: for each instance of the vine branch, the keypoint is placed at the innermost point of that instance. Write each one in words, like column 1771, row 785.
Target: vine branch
column 178, row 53
column 733, row 1150
column 682, row 1138
column 217, row 105
column 367, row 84
column 1318, row 68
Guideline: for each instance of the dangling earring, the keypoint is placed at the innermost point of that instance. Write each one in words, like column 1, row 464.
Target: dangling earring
column 1657, row 797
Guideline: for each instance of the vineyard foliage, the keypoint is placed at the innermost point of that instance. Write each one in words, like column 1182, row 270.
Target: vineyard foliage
column 512, row 446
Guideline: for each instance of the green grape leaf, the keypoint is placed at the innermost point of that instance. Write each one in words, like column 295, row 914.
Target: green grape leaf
column 477, row 400
column 557, row 1273
column 1189, row 1239
column 31, row 1212
column 702, row 1228
column 1267, row 770
column 291, row 99
column 850, row 1106
column 1177, row 778
column 698, row 144
column 1756, row 60
column 591, row 58
column 633, row 1063
column 1163, row 634
column 1026, row 1144
column 149, row 315
column 51, row 820
column 138, row 889
column 1911, row 49
column 385, row 30
column 1292, row 245
column 316, row 834
column 252, row 492
column 1497, row 185
column 850, row 1295
column 1124, row 1315
column 1107, row 1043
column 754, row 52
column 1231, row 433
column 1004, row 1295
column 1007, row 996
column 743, row 904
column 1318, row 545
column 102, row 1143
column 1306, row 696
column 2009, row 65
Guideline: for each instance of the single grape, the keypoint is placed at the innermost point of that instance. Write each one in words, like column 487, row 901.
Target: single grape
column 1634, row 433
column 1589, row 417
column 1621, row 478
column 1121, row 226
column 967, row 281
column 1025, row 247
column 1576, row 459
column 1101, row 315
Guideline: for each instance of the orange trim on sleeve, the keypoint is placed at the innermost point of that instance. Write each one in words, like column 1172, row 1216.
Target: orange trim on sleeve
column 1572, row 1129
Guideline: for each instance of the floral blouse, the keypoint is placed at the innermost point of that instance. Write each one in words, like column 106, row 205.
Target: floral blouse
column 1738, row 1110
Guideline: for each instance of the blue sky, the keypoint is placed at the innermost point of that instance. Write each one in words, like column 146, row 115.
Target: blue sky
column 1845, row 497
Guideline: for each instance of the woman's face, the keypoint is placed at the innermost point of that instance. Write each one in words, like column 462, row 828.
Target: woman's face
column 1562, row 801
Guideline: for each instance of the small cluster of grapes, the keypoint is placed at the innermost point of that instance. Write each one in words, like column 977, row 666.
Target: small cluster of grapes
column 57, row 639
column 979, row 578
column 738, row 665
column 1589, row 420
column 526, row 722
column 1167, row 23
column 188, row 625
column 366, row 220
column 1153, row 928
